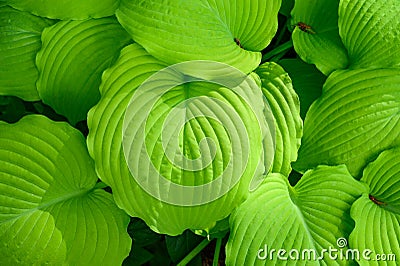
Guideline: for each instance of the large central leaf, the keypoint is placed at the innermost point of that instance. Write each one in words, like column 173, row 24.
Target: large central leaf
column 232, row 32
column 50, row 209
column 186, row 136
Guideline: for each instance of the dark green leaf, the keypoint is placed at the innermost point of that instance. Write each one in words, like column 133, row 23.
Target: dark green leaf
column 307, row 82
column 286, row 7
column 141, row 234
column 179, row 246
column 138, row 256
column 12, row 109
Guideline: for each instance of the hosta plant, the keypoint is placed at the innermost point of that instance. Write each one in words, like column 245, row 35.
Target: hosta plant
column 207, row 132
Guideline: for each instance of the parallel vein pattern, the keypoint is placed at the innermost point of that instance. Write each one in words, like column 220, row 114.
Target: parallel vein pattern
column 379, row 210
column 106, row 147
column 307, row 82
column 67, row 9
column 71, row 61
column 285, row 106
column 19, row 42
column 370, row 32
column 312, row 215
column 50, row 211
column 357, row 117
column 177, row 31
column 321, row 44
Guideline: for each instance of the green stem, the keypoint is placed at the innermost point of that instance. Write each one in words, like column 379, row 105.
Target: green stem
column 281, row 48
column 217, row 251
column 281, row 33
column 278, row 57
column 194, row 252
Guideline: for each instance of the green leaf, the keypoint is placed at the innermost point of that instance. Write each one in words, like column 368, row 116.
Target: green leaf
column 141, row 234
column 50, row 210
column 307, row 82
column 320, row 44
column 220, row 230
column 11, row 109
column 310, row 216
column 377, row 213
column 178, row 31
column 286, row 7
column 139, row 256
column 19, row 42
column 71, row 61
column 173, row 212
column 357, row 117
column 160, row 252
column 285, row 106
column 382, row 179
column 67, row 9
column 179, row 246
column 370, row 32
